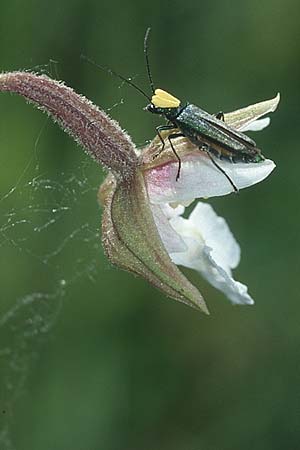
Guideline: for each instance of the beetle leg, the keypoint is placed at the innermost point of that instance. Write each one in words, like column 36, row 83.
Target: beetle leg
column 174, row 136
column 205, row 148
column 162, row 128
column 170, row 137
column 220, row 116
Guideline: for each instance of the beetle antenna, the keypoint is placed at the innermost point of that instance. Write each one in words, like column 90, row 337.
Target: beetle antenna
column 147, row 58
column 116, row 74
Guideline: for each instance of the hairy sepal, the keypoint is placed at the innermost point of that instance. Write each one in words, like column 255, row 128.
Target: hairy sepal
column 131, row 240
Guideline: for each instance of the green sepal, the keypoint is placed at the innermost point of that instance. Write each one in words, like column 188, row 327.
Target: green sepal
column 132, row 242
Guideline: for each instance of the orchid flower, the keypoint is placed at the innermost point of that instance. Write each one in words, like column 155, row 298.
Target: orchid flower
column 143, row 228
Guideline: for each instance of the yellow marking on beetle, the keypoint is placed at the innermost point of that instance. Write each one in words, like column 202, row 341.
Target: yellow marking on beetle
column 162, row 99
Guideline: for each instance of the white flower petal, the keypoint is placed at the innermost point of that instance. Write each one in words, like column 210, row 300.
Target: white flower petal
column 257, row 125
column 235, row 291
column 211, row 250
column 192, row 258
column 171, row 239
column 217, row 235
column 200, row 178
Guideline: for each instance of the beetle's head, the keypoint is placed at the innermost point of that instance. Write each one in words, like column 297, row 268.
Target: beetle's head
column 163, row 103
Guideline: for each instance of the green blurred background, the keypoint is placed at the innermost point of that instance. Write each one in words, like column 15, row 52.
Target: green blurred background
column 91, row 357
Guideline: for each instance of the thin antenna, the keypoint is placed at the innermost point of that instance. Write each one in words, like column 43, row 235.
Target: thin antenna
column 147, row 58
column 112, row 72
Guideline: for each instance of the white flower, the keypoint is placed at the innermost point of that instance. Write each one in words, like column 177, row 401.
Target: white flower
column 203, row 241
column 142, row 228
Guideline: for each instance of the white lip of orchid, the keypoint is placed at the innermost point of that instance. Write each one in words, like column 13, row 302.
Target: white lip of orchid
column 235, row 291
column 199, row 178
column 211, row 249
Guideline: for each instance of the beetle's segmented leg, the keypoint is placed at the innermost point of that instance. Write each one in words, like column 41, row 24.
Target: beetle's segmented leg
column 158, row 130
column 170, row 137
column 205, row 149
column 220, row 116
column 174, row 136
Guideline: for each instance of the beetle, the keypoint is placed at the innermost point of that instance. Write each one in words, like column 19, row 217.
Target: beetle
column 208, row 132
